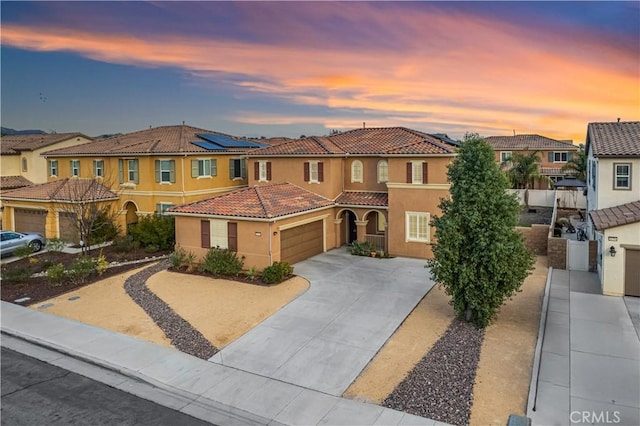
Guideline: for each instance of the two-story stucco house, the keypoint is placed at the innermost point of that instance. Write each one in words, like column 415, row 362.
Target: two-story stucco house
column 554, row 154
column 309, row 195
column 149, row 170
column 613, row 203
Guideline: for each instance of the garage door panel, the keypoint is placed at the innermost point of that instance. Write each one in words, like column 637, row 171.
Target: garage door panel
column 30, row 220
column 68, row 228
column 301, row 242
column 632, row 273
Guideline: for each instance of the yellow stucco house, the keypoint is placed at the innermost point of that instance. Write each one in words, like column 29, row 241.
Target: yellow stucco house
column 149, row 170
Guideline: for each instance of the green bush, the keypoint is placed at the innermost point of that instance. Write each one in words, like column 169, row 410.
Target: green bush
column 363, row 248
column 23, row 251
column 151, row 248
column 123, row 244
column 155, row 229
column 55, row 245
column 220, row 261
column 103, row 229
column 252, row 273
column 277, row 272
column 81, row 269
column 56, row 273
column 183, row 259
column 16, row 275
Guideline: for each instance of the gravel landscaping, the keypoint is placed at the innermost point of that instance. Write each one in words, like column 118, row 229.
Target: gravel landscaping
column 440, row 386
column 182, row 335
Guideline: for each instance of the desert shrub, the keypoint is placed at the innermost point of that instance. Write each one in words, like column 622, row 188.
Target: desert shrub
column 219, row 261
column 181, row 258
column 56, row 273
column 23, row 251
column 252, row 273
column 102, row 229
column 16, row 275
column 55, row 245
column 151, row 248
column 362, row 248
column 277, row 272
column 81, row 269
column 124, row 244
column 155, row 229
column 101, row 264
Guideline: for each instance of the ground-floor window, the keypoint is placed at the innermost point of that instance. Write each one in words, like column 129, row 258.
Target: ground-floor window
column 417, row 227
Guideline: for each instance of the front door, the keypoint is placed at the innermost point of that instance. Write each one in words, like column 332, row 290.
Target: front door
column 352, row 231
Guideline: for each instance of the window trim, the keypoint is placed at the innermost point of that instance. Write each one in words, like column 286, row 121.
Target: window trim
column 615, row 177
column 417, row 238
column 95, row 168
column 502, row 156
column 357, row 171
column 238, row 174
column 386, row 164
column 311, row 171
column 24, row 165
column 72, row 168
column 200, row 164
column 51, row 174
column 135, row 170
column 263, row 171
column 162, row 207
column 566, row 155
column 416, row 178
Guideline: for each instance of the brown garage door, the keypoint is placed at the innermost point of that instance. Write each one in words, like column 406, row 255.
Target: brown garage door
column 632, row 272
column 30, row 220
column 301, row 242
column 68, row 227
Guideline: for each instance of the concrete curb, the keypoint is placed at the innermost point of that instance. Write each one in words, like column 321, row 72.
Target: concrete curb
column 535, row 372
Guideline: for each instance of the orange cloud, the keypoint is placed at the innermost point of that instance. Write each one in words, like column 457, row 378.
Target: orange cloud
column 461, row 71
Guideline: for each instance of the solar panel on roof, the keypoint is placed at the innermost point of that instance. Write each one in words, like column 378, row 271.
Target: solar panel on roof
column 227, row 142
column 208, row 146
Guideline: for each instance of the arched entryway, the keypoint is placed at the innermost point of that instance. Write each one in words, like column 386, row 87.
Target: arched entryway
column 131, row 213
column 376, row 229
column 346, row 221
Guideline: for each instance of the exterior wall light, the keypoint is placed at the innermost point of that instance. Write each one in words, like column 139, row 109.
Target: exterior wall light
column 612, row 251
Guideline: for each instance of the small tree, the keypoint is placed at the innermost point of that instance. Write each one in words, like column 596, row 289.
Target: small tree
column 479, row 258
column 522, row 170
column 577, row 165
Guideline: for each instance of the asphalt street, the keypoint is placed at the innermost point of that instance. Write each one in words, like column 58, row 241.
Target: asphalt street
column 37, row 393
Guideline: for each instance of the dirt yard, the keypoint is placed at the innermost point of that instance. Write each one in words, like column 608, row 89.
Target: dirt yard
column 503, row 374
column 221, row 310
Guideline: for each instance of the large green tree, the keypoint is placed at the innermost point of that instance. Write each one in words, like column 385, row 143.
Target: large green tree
column 577, row 165
column 522, row 170
column 479, row 257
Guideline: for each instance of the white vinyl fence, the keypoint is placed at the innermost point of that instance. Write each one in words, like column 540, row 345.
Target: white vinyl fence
column 546, row 198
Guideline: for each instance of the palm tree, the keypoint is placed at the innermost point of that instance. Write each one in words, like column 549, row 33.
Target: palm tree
column 577, row 165
column 522, row 170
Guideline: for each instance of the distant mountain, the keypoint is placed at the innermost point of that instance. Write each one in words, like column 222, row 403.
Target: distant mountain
column 8, row 131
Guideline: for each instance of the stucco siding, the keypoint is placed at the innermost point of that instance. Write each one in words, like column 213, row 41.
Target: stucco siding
column 613, row 278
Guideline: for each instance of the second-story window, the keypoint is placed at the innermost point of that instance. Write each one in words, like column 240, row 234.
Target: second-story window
column 204, row 168
column 356, row 171
column 25, row 166
column 622, row 178
column 53, row 168
column 132, row 171
column 313, row 171
column 559, row 157
column 262, row 171
column 237, row 169
column 165, row 171
column 383, row 171
column 505, row 156
column 417, row 172
column 75, row 168
column 98, row 168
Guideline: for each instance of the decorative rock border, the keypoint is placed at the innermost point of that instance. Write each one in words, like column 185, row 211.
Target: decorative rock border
column 182, row 335
column 440, row 386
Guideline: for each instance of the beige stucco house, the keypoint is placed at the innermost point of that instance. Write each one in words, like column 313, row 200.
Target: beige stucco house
column 613, row 203
column 382, row 184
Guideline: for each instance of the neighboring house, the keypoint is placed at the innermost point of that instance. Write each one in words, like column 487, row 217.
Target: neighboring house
column 49, row 208
column 154, row 169
column 383, row 185
column 553, row 153
column 613, row 203
column 21, row 154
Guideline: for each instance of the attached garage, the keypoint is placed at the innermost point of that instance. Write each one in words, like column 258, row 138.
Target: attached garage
column 30, row 220
column 632, row 273
column 302, row 242
column 68, row 228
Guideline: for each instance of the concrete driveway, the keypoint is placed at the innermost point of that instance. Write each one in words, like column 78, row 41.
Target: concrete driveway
column 323, row 339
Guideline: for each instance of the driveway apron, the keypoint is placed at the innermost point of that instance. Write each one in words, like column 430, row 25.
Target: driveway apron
column 323, row 339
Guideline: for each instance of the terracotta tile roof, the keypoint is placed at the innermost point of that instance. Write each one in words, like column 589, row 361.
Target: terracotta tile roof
column 616, row 216
column 14, row 144
column 614, row 139
column 528, row 143
column 260, row 201
column 555, row 171
column 157, row 140
column 12, row 182
column 361, row 198
column 62, row 190
column 371, row 141
column 313, row 145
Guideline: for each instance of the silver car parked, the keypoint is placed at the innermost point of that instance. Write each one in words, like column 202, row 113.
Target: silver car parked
column 10, row 240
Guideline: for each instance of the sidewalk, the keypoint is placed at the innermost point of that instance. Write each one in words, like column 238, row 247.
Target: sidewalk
column 590, row 358
column 202, row 389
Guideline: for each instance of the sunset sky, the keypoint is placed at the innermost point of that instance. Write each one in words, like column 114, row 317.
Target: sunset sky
column 292, row 68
